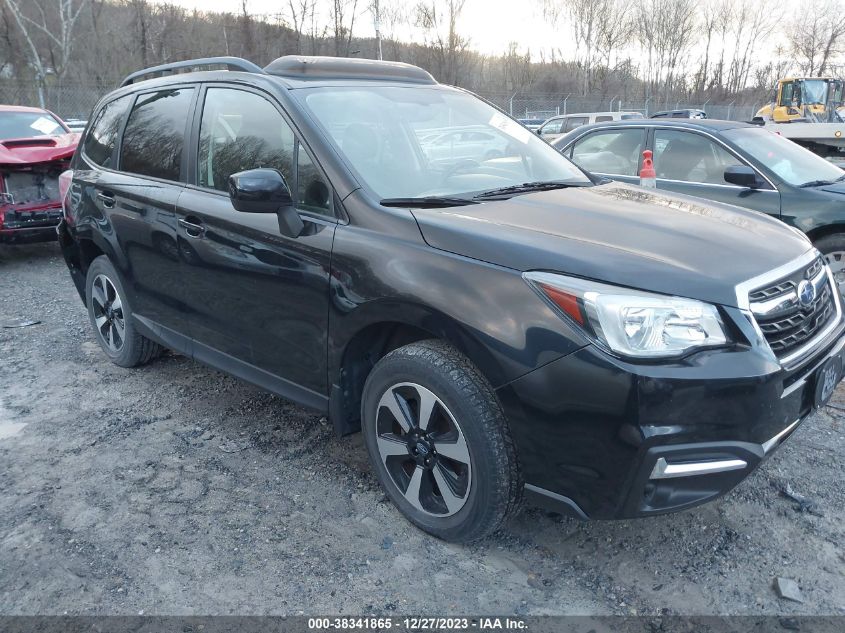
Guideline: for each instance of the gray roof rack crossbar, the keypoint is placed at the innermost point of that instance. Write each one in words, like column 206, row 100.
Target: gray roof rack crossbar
column 230, row 63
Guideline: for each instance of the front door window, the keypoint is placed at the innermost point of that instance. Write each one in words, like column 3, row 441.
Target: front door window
column 690, row 157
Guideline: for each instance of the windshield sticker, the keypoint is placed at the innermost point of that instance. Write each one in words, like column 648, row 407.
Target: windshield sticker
column 510, row 127
column 44, row 125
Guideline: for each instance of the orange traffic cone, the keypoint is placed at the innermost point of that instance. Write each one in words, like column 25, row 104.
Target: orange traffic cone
column 647, row 176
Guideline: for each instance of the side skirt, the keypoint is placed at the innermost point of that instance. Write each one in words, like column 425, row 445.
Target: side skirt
column 233, row 366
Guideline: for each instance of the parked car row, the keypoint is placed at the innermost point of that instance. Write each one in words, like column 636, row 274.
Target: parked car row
column 499, row 318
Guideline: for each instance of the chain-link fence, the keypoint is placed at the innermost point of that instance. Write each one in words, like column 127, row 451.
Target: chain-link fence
column 536, row 106
column 75, row 101
column 69, row 101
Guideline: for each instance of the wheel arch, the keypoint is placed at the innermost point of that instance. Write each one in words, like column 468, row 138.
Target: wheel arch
column 825, row 230
column 82, row 247
column 352, row 359
column 88, row 252
column 79, row 251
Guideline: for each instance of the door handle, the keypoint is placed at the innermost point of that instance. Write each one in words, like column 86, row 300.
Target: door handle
column 193, row 227
column 107, row 199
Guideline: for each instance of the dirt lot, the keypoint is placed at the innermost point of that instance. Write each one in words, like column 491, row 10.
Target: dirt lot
column 174, row 489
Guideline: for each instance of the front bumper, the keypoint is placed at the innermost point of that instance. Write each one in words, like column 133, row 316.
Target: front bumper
column 26, row 227
column 599, row 437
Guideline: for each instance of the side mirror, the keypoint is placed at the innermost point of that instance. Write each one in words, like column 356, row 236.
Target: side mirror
column 265, row 191
column 742, row 176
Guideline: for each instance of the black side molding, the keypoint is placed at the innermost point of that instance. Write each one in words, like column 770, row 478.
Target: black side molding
column 555, row 502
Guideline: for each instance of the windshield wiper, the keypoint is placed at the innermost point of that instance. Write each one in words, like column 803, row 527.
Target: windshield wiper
column 426, row 202
column 820, row 183
column 526, row 187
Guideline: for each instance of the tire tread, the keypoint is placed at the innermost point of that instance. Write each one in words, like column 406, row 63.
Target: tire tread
column 139, row 350
column 474, row 388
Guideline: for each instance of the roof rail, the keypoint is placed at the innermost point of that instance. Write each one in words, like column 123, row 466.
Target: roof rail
column 229, row 63
column 314, row 67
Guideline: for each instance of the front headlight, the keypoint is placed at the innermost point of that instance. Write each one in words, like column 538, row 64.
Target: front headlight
column 631, row 322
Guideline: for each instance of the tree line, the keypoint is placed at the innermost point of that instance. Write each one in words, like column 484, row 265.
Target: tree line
column 690, row 50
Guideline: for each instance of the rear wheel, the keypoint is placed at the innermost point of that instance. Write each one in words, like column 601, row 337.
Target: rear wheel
column 833, row 249
column 439, row 442
column 111, row 317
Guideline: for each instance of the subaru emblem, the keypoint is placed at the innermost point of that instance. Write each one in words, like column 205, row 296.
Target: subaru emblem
column 806, row 293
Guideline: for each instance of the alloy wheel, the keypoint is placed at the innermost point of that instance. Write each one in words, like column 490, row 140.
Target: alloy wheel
column 836, row 261
column 423, row 449
column 108, row 313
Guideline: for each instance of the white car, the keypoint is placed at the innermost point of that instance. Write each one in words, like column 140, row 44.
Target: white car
column 557, row 126
column 464, row 143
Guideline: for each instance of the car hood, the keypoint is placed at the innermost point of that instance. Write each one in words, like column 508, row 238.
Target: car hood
column 620, row 234
column 42, row 149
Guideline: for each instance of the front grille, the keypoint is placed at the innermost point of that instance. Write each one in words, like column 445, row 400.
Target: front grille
column 784, row 321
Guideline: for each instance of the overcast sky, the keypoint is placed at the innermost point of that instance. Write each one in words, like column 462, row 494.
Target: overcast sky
column 490, row 24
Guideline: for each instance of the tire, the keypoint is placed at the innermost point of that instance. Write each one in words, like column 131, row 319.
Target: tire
column 111, row 317
column 833, row 248
column 465, row 447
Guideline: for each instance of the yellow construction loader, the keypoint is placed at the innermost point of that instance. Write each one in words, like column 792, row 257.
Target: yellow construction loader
column 811, row 112
column 810, row 99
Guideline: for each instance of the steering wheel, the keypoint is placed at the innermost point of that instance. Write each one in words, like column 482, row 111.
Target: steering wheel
column 462, row 166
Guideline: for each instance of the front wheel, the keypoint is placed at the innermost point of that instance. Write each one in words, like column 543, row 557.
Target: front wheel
column 439, row 442
column 833, row 249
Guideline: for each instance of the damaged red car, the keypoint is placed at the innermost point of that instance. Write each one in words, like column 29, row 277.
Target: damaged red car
column 35, row 148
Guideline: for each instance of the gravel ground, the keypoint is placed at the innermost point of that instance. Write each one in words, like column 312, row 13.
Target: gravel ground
column 173, row 489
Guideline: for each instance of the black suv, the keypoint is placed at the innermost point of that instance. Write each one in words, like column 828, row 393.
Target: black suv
column 494, row 321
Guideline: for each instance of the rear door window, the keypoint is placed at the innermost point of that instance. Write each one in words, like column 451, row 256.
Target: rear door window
column 155, row 134
column 102, row 137
column 552, row 127
column 613, row 152
column 573, row 122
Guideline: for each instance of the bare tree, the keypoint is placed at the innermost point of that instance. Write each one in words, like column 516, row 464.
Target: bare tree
column 517, row 68
column 664, row 30
column 751, row 25
column 67, row 13
column 817, row 36
column 600, row 29
column 247, row 35
column 301, row 14
column 614, row 32
column 340, row 11
column 449, row 50
column 141, row 10
column 583, row 18
column 387, row 15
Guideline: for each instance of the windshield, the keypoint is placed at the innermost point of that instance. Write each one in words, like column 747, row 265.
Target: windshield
column 791, row 162
column 414, row 142
column 814, row 91
column 29, row 125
